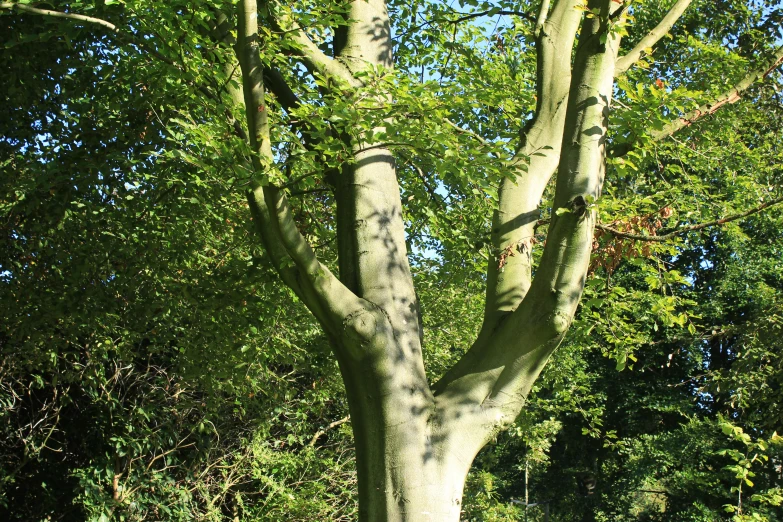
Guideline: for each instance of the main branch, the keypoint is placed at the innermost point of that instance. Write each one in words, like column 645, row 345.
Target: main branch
column 489, row 385
column 316, row 61
column 509, row 269
column 329, row 300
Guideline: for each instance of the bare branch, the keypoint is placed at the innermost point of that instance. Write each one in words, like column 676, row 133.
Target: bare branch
column 289, row 101
column 253, row 81
column 257, row 122
column 662, row 29
column 545, row 313
column 464, row 17
column 543, row 13
column 313, row 58
column 472, row 134
column 275, row 82
column 690, row 228
column 730, row 96
column 331, row 425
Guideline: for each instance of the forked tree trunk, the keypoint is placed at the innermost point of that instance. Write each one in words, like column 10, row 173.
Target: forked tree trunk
column 415, row 443
column 413, row 448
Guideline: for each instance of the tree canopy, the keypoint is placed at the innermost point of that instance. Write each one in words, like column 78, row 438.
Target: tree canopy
column 188, row 270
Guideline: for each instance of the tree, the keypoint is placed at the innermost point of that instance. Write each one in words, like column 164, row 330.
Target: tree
column 345, row 134
column 650, row 436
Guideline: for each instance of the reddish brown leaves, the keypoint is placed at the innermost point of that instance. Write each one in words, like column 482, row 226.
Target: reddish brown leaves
column 609, row 253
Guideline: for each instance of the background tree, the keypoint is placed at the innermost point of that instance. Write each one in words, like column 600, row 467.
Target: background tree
column 424, row 150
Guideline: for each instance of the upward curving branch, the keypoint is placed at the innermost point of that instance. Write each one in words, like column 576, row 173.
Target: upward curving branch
column 498, row 372
column 653, row 37
column 509, row 269
column 329, row 300
column 316, row 61
column 546, row 312
column 371, row 243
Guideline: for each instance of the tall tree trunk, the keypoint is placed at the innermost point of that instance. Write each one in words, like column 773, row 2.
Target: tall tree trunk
column 415, row 443
column 408, row 467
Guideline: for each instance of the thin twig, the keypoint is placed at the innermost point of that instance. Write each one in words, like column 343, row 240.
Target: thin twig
column 122, row 34
column 690, row 228
column 327, row 428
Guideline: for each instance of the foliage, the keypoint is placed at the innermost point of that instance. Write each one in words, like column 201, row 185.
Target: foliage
column 154, row 368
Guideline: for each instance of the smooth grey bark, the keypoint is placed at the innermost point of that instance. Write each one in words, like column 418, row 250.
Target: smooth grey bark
column 497, row 373
column 509, row 272
column 415, row 444
column 389, row 397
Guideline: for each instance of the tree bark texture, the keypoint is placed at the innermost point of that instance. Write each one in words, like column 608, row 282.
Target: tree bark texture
column 415, row 443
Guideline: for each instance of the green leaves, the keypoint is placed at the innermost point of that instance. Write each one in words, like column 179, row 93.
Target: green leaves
column 754, row 453
column 137, row 303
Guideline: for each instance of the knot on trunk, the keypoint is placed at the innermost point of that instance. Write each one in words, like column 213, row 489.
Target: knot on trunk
column 579, row 205
column 365, row 329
